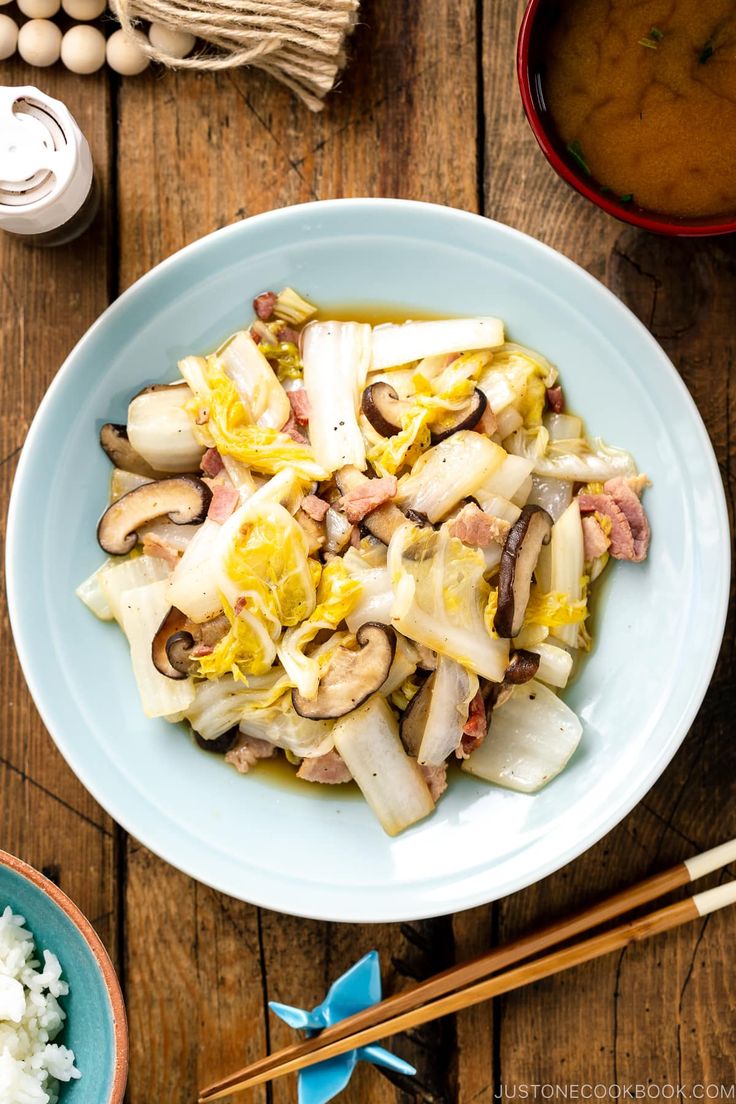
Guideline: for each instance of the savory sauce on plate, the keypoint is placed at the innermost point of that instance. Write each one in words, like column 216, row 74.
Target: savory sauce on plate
column 643, row 97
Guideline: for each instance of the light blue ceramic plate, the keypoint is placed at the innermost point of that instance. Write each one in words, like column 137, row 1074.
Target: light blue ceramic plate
column 95, row 1028
column 320, row 854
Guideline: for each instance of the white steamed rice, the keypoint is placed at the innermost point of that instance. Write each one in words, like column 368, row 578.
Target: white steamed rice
column 31, row 1064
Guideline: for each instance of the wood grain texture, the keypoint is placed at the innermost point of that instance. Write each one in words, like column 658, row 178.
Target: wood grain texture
column 652, row 1013
column 195, row 153
column 48, row 298
column 429, row 110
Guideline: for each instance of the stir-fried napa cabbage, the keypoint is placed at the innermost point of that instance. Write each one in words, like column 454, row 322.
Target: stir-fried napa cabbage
column 282, row 726
column 578, row 460
column 439, row 598
column 265, row 556
column 337, row 594
column 336, row 359
column 435, row 396
column 219, row 705
column 517, row 377
column 449, row 472
column 259, row 390
column 261, row 447
column 296, row 585
column 399, row 344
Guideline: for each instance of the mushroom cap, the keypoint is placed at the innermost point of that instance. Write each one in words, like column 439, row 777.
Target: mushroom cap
column 116, row 445
column 383, row 408
column 221, row 743
column 352, row 676
column 415, row 716
column 185, row 499
column 522, row 667
column 466, row 417
column 521, row 550
column 171, row 627
column 175, row 638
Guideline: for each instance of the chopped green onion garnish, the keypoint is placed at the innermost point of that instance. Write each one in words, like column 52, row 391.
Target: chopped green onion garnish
column 576, row 152
column 626, row 198
column 651, row 40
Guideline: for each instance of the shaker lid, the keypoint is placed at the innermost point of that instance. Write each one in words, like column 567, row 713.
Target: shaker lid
column 45, row 162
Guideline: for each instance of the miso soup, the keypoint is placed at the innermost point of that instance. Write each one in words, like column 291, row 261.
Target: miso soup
column 643, row 97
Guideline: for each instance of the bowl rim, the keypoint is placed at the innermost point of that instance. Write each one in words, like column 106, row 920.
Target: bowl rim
column 645, row 220
column 104, row 963
column 185, row 860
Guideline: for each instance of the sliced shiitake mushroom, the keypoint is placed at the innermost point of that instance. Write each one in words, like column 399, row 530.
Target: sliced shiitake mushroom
column 521, row 550
column 415, row 716
column 522, row 667
column 419, row 519
column 220, row 743
column 177, row 636
column 185, row 499
column 383, row 408
column 172, row 626
column 352, row 676
column 382, row 522
column 115, row 443
column 468, row 416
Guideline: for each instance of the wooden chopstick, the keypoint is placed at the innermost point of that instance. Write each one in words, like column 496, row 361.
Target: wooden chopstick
column 460, row 978
column 692, row 908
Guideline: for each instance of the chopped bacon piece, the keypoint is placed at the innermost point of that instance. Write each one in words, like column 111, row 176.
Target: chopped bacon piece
column 154, row 545
column 315, row 507
column 555, row 399
column 629, row 538
column 225, row 498
column 201, row 650
column 488, row 423
column 367, row 497
column 286, row 333
column 256, row 336
column 621, row 537
column 474, row 527
column 247, row 752
column 628, row 502
column 264, row 303
column 476, row 727
column 299, row 400
column 595, row 541
column 328, row 769
column 436, row 779
column 291, row 429
column 212, row 463
column 239, row 606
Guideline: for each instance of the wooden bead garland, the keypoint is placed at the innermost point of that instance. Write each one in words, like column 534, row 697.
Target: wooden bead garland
column 83, row 48
column 299, row 42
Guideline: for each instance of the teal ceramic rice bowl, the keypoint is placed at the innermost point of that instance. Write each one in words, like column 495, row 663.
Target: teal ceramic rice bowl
column 95, row 1028
column 311, row 850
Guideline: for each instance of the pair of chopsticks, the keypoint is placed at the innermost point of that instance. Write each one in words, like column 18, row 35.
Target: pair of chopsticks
column 464, row 986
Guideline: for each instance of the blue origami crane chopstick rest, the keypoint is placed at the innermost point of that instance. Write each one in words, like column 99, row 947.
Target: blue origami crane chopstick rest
column 356, row 990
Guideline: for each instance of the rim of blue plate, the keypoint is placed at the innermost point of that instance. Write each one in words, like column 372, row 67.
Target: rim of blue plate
column 192, row 858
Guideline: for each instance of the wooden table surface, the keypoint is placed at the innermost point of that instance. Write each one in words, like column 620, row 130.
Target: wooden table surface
column 428, row 110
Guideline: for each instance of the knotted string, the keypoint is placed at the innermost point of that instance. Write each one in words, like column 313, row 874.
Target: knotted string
column 299, row 42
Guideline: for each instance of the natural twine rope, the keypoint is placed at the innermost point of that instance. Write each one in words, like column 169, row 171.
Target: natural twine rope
column 299, row 42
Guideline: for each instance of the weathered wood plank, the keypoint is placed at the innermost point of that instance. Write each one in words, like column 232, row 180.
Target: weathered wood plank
column 659, row 1012
column 48, row 297
column 225, row 147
